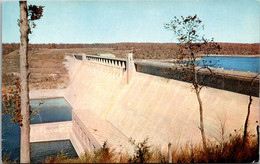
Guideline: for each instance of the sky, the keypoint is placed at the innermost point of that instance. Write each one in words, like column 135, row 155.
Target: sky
column 111, row 21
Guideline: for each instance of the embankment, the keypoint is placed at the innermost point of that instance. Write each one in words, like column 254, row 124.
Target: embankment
column 165, row 110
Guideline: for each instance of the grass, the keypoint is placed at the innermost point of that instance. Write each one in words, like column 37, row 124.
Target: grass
column 230, row 150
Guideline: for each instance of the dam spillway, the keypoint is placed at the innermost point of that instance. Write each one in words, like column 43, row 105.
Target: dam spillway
column 50, row 129
column 112, row 102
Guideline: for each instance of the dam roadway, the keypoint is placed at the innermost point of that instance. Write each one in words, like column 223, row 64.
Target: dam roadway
column 113, row 102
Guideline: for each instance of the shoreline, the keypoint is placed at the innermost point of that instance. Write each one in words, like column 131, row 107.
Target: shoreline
column 221, row 55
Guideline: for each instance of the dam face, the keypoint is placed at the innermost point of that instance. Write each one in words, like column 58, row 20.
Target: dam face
column 114, row 103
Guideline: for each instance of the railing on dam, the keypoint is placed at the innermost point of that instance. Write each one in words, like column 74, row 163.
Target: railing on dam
column 115, row 66
column 110, row 62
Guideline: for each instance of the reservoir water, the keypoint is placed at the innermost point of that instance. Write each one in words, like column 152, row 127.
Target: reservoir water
column 247, row 64
column 50, row 110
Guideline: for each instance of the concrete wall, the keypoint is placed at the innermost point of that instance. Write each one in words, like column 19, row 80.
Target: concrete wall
column 86, row 139
column 50, row 131
column 76, row 142
column 47, row 93
column 222, row 79
column 165, row 110
column 57, row 131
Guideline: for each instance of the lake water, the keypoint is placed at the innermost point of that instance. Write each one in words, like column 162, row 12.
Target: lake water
column 52, row 110
column 42, row 150
column 247, row 64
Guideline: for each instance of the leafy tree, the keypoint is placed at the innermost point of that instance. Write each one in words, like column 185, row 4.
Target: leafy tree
column 191, row 44
column 35, row 13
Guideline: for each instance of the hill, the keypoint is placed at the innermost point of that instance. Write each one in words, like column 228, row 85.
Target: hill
column 141, row 50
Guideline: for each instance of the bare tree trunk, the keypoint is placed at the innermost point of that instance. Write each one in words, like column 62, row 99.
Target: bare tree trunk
column 248, row 111
column 197, row 90
column 246, row 121
column 202, row 130
column 25, row 109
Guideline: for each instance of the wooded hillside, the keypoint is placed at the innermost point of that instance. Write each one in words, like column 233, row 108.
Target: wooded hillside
column 143, row 50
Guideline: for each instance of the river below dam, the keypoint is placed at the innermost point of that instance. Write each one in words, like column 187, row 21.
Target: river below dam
column 246, row 64
column 49, row 110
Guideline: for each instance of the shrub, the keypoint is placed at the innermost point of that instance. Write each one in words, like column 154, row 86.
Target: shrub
column 103, row 155
column 230, row 150
column 142, row 152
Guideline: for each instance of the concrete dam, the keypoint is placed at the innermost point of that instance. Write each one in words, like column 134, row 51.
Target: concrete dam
column 113, row 102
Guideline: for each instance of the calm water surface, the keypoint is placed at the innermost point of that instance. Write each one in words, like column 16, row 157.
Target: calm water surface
column 247, row 64
column 42, row 150
column 52, row 110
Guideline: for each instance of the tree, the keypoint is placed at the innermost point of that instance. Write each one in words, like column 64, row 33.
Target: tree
column 245, row 136
column 25, row 109
column 191, row 45
column 35, row 13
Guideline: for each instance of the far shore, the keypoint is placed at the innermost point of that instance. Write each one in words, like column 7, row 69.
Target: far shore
column 258, row 55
